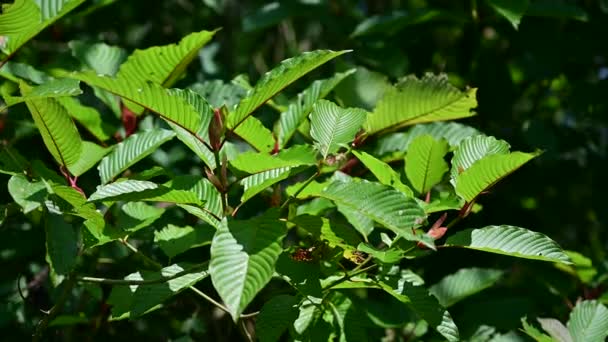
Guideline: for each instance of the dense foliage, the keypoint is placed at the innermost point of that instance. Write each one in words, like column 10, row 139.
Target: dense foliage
column 303, row 170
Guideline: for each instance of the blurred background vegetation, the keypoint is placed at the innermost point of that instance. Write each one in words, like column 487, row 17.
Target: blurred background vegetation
column 543, row 84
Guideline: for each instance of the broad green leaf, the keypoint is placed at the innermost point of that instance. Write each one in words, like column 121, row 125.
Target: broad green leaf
column 24, row 19
column 333, row 127
column 512, row 10
column 243, row 258
column 61, row 244
column 299, row 109
column 424, row 164
column 421, row 301
column 88, row 117
column 52, row 89
column 255, row 162
column 163, row 65
column 381, row 203
column 582, row 267
column 134, row 216
column 383, row 172
column 255, row 134
column 219, row 93
column 466, row 282
column 393, row 146
column 387, row 256
column 335, row 234
column 589, row 322
column 415, row 100
column 556, row 329
column 77, row 205
column 359, row 221
column 472, row 149
column 102, row 58
column 15, row 71
column 256, row 183
column 29, row 195
column 181, row 190
column 396, row 20
column 130, row 151
column 135, row 300
column 90, row 155
column 169, row 105
column 57, row 129
column 363, row 89
column 174, row 240
column 275, row 317
column 488, row 171
column 278, row 78
column 533, row 332
column 509, row 240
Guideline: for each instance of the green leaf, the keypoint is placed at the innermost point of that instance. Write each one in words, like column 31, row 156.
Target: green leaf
column 102, row 58
column 556, row 329
column 163, row 65
column 169, row 105
column 415, row 100
column 509, row 240
column 134, row 216
column 533, row 332
column 464, row 283
column 474, row 148
column 174, row 240
column 57, row 129
column 78, row 206
column 29, row 195
column 589, row 322
column 424, row 164
column 555, row 9
column 299, row 109
column 488, row 171
column 255, row 134
column 387, row 256
column 383, row 172
column 381, row 203
column 512, row 10
column 24, row 19
column 278, row 78
column 256, row 183
column 90, row 155
column 421, row 301
column 61, row 245
column 333, row 127
column 130, row 151
column 52, row 89
column 88, row 117
column 11, row 162
column 219, row 94
column 135, row 300
column 15, row 71
column 360, row 222
column 275, row 317
column 243, row 258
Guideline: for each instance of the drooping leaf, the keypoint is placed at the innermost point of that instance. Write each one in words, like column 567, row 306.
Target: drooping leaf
column 134, row 300
column 57, row 129
column 24, row 19
column 29, row 195
column 91, row 154
column 130, row 151
column 88, row 117
column 363, row 224
column 472, row 149
column 299, row 109
column 278, row 78
column 333, row 127
column 52, row 89
column 134, row 216
column 219, row 93
column 243, row 258
column 15, row 71
column 424, row 164
column 383, row 172
column 383, row 204
column 255, row 134
column 509, row 240
column 589, row 322
column 534, row 333
column 488, row 171
column 275, row 317
column 466, row 282
column 61, row 244
column 169, row 105
column 174, row 240
column 415, row 100
column 510, row 10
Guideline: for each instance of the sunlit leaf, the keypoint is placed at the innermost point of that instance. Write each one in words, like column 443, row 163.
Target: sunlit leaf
column 512, row 10
column 424, row 164
column 589, row 322
column 174, row 240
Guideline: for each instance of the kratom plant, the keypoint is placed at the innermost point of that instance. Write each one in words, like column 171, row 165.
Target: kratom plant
column 335, row 204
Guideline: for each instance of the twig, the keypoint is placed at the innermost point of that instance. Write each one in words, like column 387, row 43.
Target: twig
column 348, row 276
column 139, row 282
column 209, row 299
column 43, row 323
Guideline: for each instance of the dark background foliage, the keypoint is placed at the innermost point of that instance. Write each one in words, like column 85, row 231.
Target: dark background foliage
column 542, row 86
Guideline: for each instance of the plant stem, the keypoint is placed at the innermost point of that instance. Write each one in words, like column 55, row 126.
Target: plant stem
column 43, row 324
column 142, row 255
column 348, row 276
column 295, row 195
column 209, row 299
column 454, row 222
column 220, row 175
column 139, row 282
